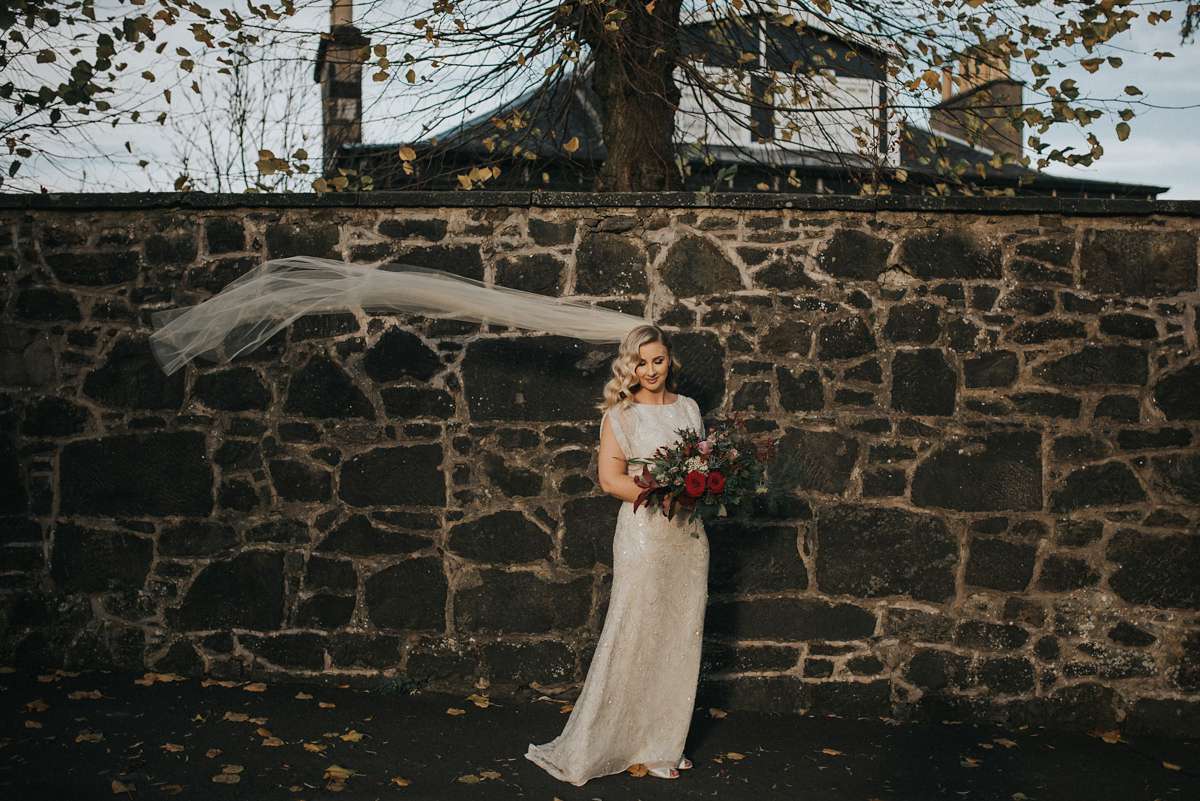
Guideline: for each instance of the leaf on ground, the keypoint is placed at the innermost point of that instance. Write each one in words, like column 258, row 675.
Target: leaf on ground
column 32, row 724
column 272, row 742
column 150, row 678
column 172, row 789
column 215, row 683
column 316, row 748
column 6, row 670
column 453, row 711
column 89, row 736
column 1171, row 766
column 717, row 713
column 171, row 748
column 236, row 717
column 258, row 721
column 325, row 705
column 1004, row 742
column 488, row 774
column 470, row 778
column 829, row 751
column 262, row 732
column 303, row 697
column 256, row 687
column 94, row 695
column 338, row 772
column 227, row 778
column 122, row 787
column 735, row 756
column 352, row 736
column 970, row 762
column 232, row 769
column 396, row 780
column 565, row 709
column 1111, row 737
column 638, row 770
column 213, row 753
column 37, row 706
column 480, row 701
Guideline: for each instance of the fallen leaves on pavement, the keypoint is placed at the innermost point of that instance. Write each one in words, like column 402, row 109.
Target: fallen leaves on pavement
column 399, row 782
column 480, row 701
column 257, row 687
column 37, row 706
column 79, row 695
column 229, row 775
column 171, row 748
column 150, row 678
column 453, row 711
column 639, row 770
column 89, row 736
column 122, row 787
column 352, row 736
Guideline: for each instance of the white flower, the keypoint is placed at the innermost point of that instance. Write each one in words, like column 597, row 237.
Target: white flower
column 697, row 464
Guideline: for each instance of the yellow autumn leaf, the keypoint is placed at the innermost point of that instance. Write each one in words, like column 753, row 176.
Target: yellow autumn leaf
column 410, row 76
column 213, row 753
column 316, row 748
column 122, row 787
column 78, row 694
column 717, row 713
column 406, row 153
column 489, row 774
column 1171, row 766
column 37, row 706
column 1111, row 737
column 215, row 683
column 303, row 697
column 325, row 705
column 831, row 752
column 272, row 742
column 338, row 772
column 453, row 711
column 256, row 687
column 1004, row 742
column 89, row 736
column 32, row 724
column 565, row 709
column 571, row 144
column 171, row 748
column 735, row 756
column 638, row 770
column 470, row 778
column 236, row 717
column 480, row 701
column 352, row 736
column 396, row 780
column 227, row 778
column 762, row 187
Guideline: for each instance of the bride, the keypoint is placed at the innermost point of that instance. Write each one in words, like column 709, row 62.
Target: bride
column 636, row 704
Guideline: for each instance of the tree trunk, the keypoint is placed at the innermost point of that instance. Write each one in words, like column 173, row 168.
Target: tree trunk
column 632, row 75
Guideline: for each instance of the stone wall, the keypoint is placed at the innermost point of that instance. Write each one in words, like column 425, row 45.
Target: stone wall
column 995, row 405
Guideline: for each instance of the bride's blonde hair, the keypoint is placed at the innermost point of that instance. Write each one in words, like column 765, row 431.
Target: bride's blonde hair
column 618, row 392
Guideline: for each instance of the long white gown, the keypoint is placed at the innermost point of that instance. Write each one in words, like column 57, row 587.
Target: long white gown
column 636, row 703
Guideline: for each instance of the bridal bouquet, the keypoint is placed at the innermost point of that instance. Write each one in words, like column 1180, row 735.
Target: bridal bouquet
column 712, row 477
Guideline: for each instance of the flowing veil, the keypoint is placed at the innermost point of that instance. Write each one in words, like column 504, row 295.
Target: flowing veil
column 253, row 308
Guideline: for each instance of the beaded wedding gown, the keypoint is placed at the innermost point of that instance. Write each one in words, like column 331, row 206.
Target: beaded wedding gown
column 636, row 704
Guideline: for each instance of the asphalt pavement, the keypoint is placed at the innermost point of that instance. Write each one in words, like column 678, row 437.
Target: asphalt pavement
column 96, row 735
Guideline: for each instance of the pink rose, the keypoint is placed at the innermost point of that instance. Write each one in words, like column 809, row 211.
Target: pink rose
column 705, row 447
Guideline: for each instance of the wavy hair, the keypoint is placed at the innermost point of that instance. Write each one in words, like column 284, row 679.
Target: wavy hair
column 618, row 392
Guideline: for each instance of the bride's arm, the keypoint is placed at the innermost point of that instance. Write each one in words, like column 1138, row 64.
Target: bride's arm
column 613, row 478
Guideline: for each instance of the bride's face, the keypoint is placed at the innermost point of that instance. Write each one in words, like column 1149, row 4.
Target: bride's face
column 653, row 364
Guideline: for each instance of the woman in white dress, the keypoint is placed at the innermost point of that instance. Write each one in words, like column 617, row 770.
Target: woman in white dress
column 636, row 703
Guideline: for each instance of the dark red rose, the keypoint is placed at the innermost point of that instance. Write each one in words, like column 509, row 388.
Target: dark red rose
column 716, row 483
column 694, row 484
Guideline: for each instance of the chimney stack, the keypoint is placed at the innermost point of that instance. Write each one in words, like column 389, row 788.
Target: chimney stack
column 339, row 71
column 978, row 105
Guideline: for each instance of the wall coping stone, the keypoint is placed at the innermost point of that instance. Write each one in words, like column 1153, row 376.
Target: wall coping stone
column 537, row 199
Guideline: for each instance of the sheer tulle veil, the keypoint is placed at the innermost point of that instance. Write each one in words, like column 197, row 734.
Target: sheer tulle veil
column 253, row 308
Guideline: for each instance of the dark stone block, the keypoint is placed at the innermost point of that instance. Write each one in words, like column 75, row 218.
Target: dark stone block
column 773, row 694
column 137, row 475
column 1109, row 484
column 506, row 537
column 870, row 372
column 13, row 497
column 854, row 255
column 94, row 269
column 302, row 650
column 174, row 250
column 983, row 298
column 237, row 495
column 610, row 264
column 1000, row 565
column 790, row 336
column 703, row 375
column 850, row 397
column 1123, row 408
column 913, row 323
column 47, row 305
column 1047, row 648
column 1179, row 475
column 323, row 326
column 923, row 383
column 1163, row 717
column 509, row 379
column 131, row 378
column 695, row 266
column 400, row 354
column 935, row 670
column 409, row 476
column 998, row 472
column 1101, row 364
column 323, row 573
column 1178, row 394
column 753, row 396
column 417, row 402
column 1133, row 440
column 803, row 392
column 549, row 234
column 884, row 483
column 89, row 560
column 588, row 531
column 980, row 634
column 1138, row 263
column 1007, row 674
column 1058, row 252
column 225, row 234
column 1133, row 326
column 962, row 335
column 53, row 416
column 20, row 530
column 1186, row 676
column 1025, row 611
column 1165, row 518
column 522, row 603
column 237, row 454
column 294, row 239
column 785, row 273
column 948, row 255
column 1118, row 663
column 297, row 481
column 789, row 620
column 755, row 559
column 1029, row 272
column 357, row 537
column 181, row 659
column 511, row 480
column 1079, row 448
column 990, row 525
column 364, row 651
column 1030, row 301
column 408, row 595
column 865, row 666
column 1042, row 331
column 196, row 538
column 845, row 339
column 1046, row 404
column 817, row 668
column 539, row 272
column 1128, row 634
column 432, row 230
column 826, row 459
column 1158, row 571
column 723, row 658
column 1066, row 573
column 298, row 432
column 324, row 612
column 523, row 663
column 996, row 369
column 871, row 552
column 245, row 592
column 238, row 389
column 324, row 390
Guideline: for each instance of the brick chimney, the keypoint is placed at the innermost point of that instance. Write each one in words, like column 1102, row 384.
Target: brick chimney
column 339, row 71
column 977, row 106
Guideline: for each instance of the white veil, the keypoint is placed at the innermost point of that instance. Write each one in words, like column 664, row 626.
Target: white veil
column 253, row 308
